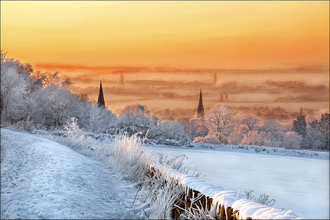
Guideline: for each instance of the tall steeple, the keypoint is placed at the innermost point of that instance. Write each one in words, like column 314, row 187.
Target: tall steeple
column 100, row 101
column 200, row 110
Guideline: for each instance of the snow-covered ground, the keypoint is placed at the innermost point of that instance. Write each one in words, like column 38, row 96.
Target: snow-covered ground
column 43, row 179
column 299, row 184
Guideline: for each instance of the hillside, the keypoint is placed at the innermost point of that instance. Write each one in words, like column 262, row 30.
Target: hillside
column 44, row 179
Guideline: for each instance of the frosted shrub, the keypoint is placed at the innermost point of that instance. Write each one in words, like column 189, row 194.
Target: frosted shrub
column 196, row 209
column 161, row 193
column 28, row 125
column 314, row 139
column 134, row 123
column 76, row 138
column 72, row 128
column 291, row 140
column 100, row 120
column 275, row 139
column 254, row 138
column 262, row 199
column 129, row 157
column 170, row 133
column 248, row 194
column 23, row 125
column 208, row 139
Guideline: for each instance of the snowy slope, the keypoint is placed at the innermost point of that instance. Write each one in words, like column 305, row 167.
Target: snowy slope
column 43, row 179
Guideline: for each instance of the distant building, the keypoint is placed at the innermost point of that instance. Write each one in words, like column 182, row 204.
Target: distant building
column 221, row 98
column 121, row 77
column 200, row 109
column 100, row 101
column 215, row 78
column 226, row 96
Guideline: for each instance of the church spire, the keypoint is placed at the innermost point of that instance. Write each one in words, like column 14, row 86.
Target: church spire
column 200, row 110
column 100, row 101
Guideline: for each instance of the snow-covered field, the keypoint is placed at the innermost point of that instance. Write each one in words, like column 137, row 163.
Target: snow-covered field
column 44, row 179
column 299, row 184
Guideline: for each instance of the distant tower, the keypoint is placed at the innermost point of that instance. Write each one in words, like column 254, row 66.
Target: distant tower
column 226, row 96
column 301, row 112
column 121, row 77
column 215, row 79
column 100, row 101
column 200, row 110
column 221, row 98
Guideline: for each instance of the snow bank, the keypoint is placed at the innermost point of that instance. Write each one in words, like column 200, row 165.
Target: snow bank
column 248, row 208
column 227, row 198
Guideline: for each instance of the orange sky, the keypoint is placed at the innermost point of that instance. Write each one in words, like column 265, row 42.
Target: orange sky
column 216, row 34
column 167, row 45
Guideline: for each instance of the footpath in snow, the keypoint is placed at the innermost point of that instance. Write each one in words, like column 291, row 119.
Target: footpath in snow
column 44, row 179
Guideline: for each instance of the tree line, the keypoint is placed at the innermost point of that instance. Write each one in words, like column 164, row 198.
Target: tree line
column 221, row 125
column 42, row 100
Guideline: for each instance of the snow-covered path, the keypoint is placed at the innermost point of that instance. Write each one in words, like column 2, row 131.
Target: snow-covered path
column 43, row 179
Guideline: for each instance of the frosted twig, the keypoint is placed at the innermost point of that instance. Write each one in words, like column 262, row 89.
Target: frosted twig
column 135, row 197
column 146, row 214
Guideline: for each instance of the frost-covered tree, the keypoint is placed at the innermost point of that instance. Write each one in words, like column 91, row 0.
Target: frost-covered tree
column 243, row 127
column 299, row 126
column 15, row 88
column 314, row 139
column 168, row 133
column 194, row 128
column 101, row 120
column 316, row 129
column 325, row 128
column 272, row 126
column 255, row 138
column 274, row 133
column 44, row 99
column 291, row 140
column 53, row 106
column 220, row 121
column 135, row 109
column 134, row 123
column 155, row 120
column 251, row 123
column 53, row 79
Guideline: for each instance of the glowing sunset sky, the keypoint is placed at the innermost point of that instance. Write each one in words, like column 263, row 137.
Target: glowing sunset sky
column 84, row 40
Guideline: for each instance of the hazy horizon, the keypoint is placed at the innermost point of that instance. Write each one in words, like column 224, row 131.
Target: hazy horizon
column 160, row 54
